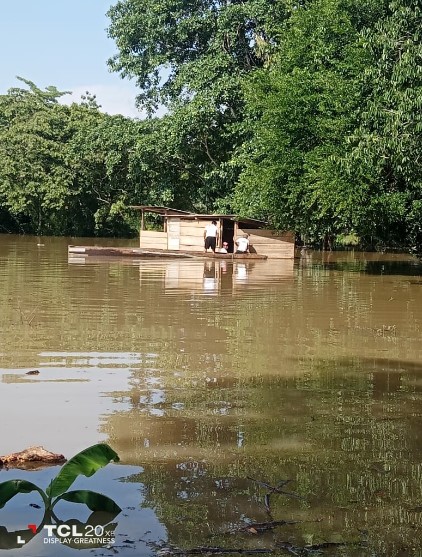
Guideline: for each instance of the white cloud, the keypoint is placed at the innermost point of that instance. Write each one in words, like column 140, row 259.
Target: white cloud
column 113, row 99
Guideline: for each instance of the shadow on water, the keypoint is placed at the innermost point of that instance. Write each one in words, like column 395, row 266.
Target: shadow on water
column 371, row 264
column 410, row 268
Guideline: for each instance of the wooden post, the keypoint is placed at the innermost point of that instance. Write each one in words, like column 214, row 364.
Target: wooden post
column 142, row 226
column 220, row 234
column 235, row 229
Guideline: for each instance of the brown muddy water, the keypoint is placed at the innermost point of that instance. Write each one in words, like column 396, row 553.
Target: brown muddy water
column 213, row 381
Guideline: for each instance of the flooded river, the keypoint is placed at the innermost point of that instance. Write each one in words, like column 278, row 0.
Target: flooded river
column 268, row 405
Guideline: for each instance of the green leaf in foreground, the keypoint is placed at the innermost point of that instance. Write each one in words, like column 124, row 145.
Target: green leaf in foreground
column 94, row 501
column 85, row 463
column 13, row 487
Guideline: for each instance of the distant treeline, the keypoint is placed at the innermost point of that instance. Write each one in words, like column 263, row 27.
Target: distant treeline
column 305, row 113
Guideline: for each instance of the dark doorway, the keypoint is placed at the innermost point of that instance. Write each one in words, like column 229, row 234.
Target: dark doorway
column 228, row 233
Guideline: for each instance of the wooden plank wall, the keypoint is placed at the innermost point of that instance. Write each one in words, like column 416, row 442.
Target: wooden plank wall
column 181, row 277
column 192, row 235
column 173, row 234
column 275, row 244
column 151, row 239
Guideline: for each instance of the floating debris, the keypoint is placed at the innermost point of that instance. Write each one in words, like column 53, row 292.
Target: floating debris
column 31, row 455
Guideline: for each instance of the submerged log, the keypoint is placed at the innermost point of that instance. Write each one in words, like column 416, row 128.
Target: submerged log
column 31, row 456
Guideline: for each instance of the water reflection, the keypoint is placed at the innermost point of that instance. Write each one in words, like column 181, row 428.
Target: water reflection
column 209, row 373
column 241, row 272
column 209, row 275
column 320, row 429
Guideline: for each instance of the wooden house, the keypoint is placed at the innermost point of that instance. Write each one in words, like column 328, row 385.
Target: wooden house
column 183, row 231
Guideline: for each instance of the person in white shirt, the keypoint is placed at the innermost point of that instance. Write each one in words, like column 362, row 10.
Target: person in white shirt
column 243, row 244
column 225, row 248
column 211, row 236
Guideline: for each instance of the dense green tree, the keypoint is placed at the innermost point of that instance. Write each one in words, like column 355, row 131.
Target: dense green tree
column 66, row 169
column 386, row 156
column 192, row 58
column 34, row 177
column 305, row 113
column 301, row 111
column 335, row 125
column 177, row 50
column 101, row 155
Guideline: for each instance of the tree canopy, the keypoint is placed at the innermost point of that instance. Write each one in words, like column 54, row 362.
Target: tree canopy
column 306, row 113
column 386, row 147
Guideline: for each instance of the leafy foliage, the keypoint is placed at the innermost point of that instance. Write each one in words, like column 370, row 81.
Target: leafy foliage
column 34, row 176
column 386, row 153
column 336, row 125
column 204, row 47
column 86, row 462
column 192, row 57
column 94, row 501
column 301, row 111
column 305, row 113
column 10, row 488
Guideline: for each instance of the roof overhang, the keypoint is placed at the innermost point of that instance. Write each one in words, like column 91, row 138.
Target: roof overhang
column 234, row 218
column 159, row 210
column 169, row 212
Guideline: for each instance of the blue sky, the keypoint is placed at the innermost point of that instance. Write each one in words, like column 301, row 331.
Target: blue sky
column 63, row 43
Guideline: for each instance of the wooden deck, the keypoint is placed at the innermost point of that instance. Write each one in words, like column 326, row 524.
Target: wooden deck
column 86, row 251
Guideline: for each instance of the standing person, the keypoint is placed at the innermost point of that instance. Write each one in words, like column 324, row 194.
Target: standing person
column 243, row 244
column 211, row 236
